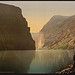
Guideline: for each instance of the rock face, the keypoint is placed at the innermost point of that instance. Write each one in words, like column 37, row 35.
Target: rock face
column 14, row 30
column 58, row 33
column 70, row 70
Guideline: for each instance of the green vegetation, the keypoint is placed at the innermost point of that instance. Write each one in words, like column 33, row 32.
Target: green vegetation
column 64, row 45
column 74, row 41
column 71, row 48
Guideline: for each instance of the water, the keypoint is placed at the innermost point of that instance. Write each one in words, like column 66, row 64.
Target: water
column 51, row 61
column 39, row 61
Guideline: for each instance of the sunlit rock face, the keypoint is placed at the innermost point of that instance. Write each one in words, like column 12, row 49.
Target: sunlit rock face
column 14, row 30
column 58, row 33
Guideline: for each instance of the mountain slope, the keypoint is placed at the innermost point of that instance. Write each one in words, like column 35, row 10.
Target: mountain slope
column 57, row 33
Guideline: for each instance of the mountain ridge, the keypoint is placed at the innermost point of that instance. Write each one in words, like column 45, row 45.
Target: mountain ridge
column 58, row 28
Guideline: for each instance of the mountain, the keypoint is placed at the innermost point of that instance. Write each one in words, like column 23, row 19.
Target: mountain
column 14, row 30
column 58, row 33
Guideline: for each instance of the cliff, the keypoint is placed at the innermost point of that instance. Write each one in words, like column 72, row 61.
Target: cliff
column 14, row 30
column 58, row 33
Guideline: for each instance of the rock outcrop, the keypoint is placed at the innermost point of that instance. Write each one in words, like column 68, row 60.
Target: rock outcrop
column 14, row 30
column 57, row 33
column 70, row 70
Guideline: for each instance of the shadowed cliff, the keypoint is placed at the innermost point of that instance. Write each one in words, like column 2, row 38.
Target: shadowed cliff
column 14, row 30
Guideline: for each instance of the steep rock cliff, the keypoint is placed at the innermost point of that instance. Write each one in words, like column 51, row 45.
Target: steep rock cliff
column 57, row 33
column 14, row 30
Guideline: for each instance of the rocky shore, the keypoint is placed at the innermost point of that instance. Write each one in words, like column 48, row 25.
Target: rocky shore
column 69, row 70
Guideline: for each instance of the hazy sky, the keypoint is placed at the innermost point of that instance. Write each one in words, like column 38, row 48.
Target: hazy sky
column 38, row 13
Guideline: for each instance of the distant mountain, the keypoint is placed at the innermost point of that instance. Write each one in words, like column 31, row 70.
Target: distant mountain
column 58, row 33
column 34, row 35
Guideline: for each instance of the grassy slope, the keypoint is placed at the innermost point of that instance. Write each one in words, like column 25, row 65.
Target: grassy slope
column 64, row 45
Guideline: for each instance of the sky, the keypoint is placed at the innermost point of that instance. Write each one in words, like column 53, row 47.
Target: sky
column 38, row 13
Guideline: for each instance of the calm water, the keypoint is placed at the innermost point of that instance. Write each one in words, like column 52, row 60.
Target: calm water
column 39, row 61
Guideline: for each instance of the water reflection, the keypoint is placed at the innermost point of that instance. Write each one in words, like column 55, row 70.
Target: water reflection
column 39, row 61
column 15, row 61
column 51, row 61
